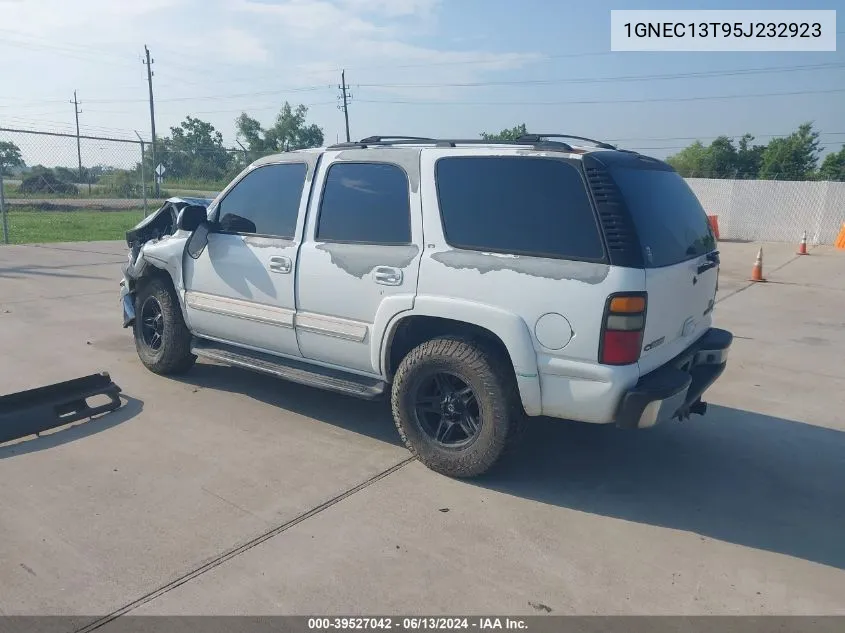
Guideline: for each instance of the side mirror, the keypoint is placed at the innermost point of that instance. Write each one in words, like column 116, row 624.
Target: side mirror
column 198, row 241
column 191, row 217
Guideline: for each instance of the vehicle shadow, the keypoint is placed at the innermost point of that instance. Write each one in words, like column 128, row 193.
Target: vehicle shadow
column 370, row 418
column 130, row 408
column 736, row 476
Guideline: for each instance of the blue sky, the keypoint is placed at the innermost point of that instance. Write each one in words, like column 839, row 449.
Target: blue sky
column 216, row 58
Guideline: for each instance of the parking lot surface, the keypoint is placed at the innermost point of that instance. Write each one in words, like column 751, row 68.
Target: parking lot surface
column 227, row 492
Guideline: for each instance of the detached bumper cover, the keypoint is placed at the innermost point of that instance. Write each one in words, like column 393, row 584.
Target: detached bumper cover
column 37, row 410
column 672, row 390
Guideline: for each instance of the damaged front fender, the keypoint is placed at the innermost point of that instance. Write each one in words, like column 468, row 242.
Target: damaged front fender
column 156, row 244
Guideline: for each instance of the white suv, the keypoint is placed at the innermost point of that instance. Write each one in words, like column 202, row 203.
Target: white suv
column 476, row 283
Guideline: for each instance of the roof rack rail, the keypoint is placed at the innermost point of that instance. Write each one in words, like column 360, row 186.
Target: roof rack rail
column 538, row 138
column 386, row 141
column 380, row 139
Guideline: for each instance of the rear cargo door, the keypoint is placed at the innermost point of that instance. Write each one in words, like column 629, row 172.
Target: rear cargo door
column 681, row 260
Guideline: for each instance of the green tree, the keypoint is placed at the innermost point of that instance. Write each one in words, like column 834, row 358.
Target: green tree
column 691, row 161
column 193, row 150
column 289, row 132
column 511, row 134
column 10, row 157
column 794, row 157
column 833, row 166
column 749, row 157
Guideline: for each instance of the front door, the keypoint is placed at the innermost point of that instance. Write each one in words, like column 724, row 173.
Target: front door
column 359, row 264
column 241, row 288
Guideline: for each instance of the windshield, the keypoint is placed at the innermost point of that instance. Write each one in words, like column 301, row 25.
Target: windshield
column 670, row 221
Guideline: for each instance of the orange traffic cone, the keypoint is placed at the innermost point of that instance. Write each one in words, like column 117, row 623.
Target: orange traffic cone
column 802, row 247
column 757, row 271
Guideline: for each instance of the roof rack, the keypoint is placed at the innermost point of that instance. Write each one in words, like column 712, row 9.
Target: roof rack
column 536, row 138
column 380, row 139
column 387, row 141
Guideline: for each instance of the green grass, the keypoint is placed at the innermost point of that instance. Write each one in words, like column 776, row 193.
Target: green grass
column 27, row 226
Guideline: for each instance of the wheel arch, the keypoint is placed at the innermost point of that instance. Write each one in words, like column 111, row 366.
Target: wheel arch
column 505, row 332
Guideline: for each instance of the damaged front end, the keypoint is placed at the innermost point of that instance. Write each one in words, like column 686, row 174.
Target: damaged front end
column 155, row 241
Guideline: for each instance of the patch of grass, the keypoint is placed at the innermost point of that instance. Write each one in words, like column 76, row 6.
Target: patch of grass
column 28, row 226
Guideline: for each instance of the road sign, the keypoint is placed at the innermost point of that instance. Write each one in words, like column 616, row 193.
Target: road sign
column 160, row 170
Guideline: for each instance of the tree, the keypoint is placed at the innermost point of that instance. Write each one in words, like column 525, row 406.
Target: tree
column 289, row 132
column 10, row 156
column 690, row 161
column 833, row 166
column 794, row 157
column 749, row 157
column 193, row 150
column 511, row 134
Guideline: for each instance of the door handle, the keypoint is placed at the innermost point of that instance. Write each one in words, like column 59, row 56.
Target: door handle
column 280, row 264
column 387, row 276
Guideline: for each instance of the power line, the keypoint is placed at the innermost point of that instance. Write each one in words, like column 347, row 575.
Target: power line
column 623, row 78
column 601, row 101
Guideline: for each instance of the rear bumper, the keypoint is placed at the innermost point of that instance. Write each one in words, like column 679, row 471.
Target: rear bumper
column 675, row 389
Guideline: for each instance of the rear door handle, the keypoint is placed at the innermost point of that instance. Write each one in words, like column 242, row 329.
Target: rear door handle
column 280, row 264
column 387, row 276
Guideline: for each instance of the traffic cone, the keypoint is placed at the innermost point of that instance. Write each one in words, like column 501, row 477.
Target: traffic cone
column 802, row 247
column 757, row 271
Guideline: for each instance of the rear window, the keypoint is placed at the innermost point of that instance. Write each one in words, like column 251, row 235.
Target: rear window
column 670, row 221
column 518, row 205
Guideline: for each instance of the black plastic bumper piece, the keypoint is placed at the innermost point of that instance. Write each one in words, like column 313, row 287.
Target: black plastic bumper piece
column 37, row 410
column 675, row 389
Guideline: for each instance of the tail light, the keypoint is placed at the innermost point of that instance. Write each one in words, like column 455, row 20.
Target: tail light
column 622, row 329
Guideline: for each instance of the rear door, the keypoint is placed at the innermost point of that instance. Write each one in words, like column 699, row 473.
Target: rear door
column 359, row 261
column 681, row 261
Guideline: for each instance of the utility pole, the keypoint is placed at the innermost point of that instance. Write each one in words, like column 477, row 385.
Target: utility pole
column 77, row 112
column 346, row 97
column 149, row 64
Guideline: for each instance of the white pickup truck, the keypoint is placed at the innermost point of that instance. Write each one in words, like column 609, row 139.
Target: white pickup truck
column 475, row 284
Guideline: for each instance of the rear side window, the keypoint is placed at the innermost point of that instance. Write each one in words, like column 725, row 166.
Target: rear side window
column 520, row 205
column 265, row 202
column 670, row 221
column 365, row 203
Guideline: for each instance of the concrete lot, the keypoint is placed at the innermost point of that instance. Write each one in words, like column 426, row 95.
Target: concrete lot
column 227, row 492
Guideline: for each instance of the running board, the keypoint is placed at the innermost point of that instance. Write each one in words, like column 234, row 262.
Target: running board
column 293, row 370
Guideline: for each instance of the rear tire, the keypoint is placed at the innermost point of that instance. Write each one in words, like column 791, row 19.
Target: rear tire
column 455, row 405
column 162, row 339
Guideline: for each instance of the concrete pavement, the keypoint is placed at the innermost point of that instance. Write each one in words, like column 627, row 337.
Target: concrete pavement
column 226, row 492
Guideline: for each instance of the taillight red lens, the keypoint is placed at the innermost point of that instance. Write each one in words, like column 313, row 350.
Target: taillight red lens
column 621, row 347
column 622, row 329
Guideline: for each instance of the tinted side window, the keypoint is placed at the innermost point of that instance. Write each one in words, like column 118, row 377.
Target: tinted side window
column 520, row 205
column 265, row 202
column 365, row 203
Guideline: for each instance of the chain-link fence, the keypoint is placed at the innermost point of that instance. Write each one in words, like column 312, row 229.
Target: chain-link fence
column 46, row 173
column 773, row 210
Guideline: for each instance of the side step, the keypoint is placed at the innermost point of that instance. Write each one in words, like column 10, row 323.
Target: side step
column 288, row 369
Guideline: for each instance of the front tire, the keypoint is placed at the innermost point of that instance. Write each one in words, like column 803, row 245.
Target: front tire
column 162, row 339
column 454, row 405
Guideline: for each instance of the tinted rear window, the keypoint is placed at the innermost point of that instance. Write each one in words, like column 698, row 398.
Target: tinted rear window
column 670, row 221
column 519, row 205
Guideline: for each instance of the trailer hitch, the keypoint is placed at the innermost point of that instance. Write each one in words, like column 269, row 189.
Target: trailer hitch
column 37, row 410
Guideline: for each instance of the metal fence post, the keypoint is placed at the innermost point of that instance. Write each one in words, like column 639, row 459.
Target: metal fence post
column 3, row 208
